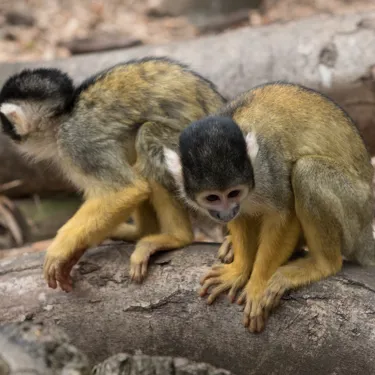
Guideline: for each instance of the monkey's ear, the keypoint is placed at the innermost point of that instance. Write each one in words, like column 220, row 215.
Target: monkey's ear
column 14, row 120
column 252, row 146
column 173, row 164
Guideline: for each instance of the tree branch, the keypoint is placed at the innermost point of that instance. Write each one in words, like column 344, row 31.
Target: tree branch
column 316, row 330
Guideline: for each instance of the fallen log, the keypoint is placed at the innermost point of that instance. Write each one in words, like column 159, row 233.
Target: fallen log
column 317, row 330
column 334, row 54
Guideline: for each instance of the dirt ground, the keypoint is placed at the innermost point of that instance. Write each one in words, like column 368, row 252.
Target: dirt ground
column 40, row 29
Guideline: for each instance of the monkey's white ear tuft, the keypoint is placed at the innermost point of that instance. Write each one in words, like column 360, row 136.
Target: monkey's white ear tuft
column 252, row 146
column 15, row 114
column 173, row 163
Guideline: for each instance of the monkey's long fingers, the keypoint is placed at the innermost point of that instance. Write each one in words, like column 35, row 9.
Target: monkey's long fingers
column 135, row 273
column 272, row 300
column 257, row 323
column 215, row 272
column 207, row 284
column 139, row 263
column 49, row 274
column 254, row 316
column 225, row 253
column 242, row 298
column 62, row 276
column 138, row 271
column 216, row 292
column 144, row 267
column 229, row 256
column 233, row 292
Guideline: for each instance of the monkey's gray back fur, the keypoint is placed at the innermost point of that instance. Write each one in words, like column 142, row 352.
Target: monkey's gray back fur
column 113, row 123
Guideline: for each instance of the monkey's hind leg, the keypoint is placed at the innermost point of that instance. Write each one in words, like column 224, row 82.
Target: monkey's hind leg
column 175, row 227
column 329, row 205
column 175, row 230
column 91, row 224
column 145, row 223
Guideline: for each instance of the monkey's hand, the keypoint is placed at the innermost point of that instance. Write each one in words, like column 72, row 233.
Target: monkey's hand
column 260, row 301
column 223, row 277
column 58, row 263
column 225, row 253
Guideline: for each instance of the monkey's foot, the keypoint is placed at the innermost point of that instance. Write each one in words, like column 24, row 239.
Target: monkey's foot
column 139, row 262
column 57, row 268
column 223, row 277
column 226, row 253
column 259, row 303
column 276, row 287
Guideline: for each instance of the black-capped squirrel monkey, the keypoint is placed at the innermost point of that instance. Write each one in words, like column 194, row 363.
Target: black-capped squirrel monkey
column 107, row 137
column 278, row 162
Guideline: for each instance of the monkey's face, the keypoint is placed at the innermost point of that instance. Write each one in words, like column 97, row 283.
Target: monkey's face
column 213, row 170
column 223, row 206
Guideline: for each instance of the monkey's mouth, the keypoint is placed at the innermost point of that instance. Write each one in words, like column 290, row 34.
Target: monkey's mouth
column 225, row 216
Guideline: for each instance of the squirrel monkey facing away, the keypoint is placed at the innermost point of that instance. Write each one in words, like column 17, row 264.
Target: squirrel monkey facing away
column 279, row 162
column 107, row 136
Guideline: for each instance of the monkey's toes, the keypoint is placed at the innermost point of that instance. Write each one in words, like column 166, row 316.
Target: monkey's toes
column 228, row 258
column 259, row 306
column 57, row 272
column 255, row 316
column 138, row 271
column 225, row 253
column 220, row 279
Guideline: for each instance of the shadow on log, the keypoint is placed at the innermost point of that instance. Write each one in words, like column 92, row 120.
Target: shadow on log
column 319, row 330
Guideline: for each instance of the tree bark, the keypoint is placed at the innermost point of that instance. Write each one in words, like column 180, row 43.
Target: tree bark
column 140, row 364
column 334, row 54
column 317, row 330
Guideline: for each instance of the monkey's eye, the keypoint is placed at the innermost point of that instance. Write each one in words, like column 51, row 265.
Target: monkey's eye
column 234, row 194
column 212, row 198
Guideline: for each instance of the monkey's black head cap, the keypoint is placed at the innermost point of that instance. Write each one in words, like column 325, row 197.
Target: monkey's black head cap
column 39, row 85
column 214, row 155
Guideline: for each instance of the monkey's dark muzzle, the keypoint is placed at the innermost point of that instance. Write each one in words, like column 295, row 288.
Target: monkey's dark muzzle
column 225, row 216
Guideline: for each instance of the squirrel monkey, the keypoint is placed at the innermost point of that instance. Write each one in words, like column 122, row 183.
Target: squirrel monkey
column 279, row 162
column 107, row 137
